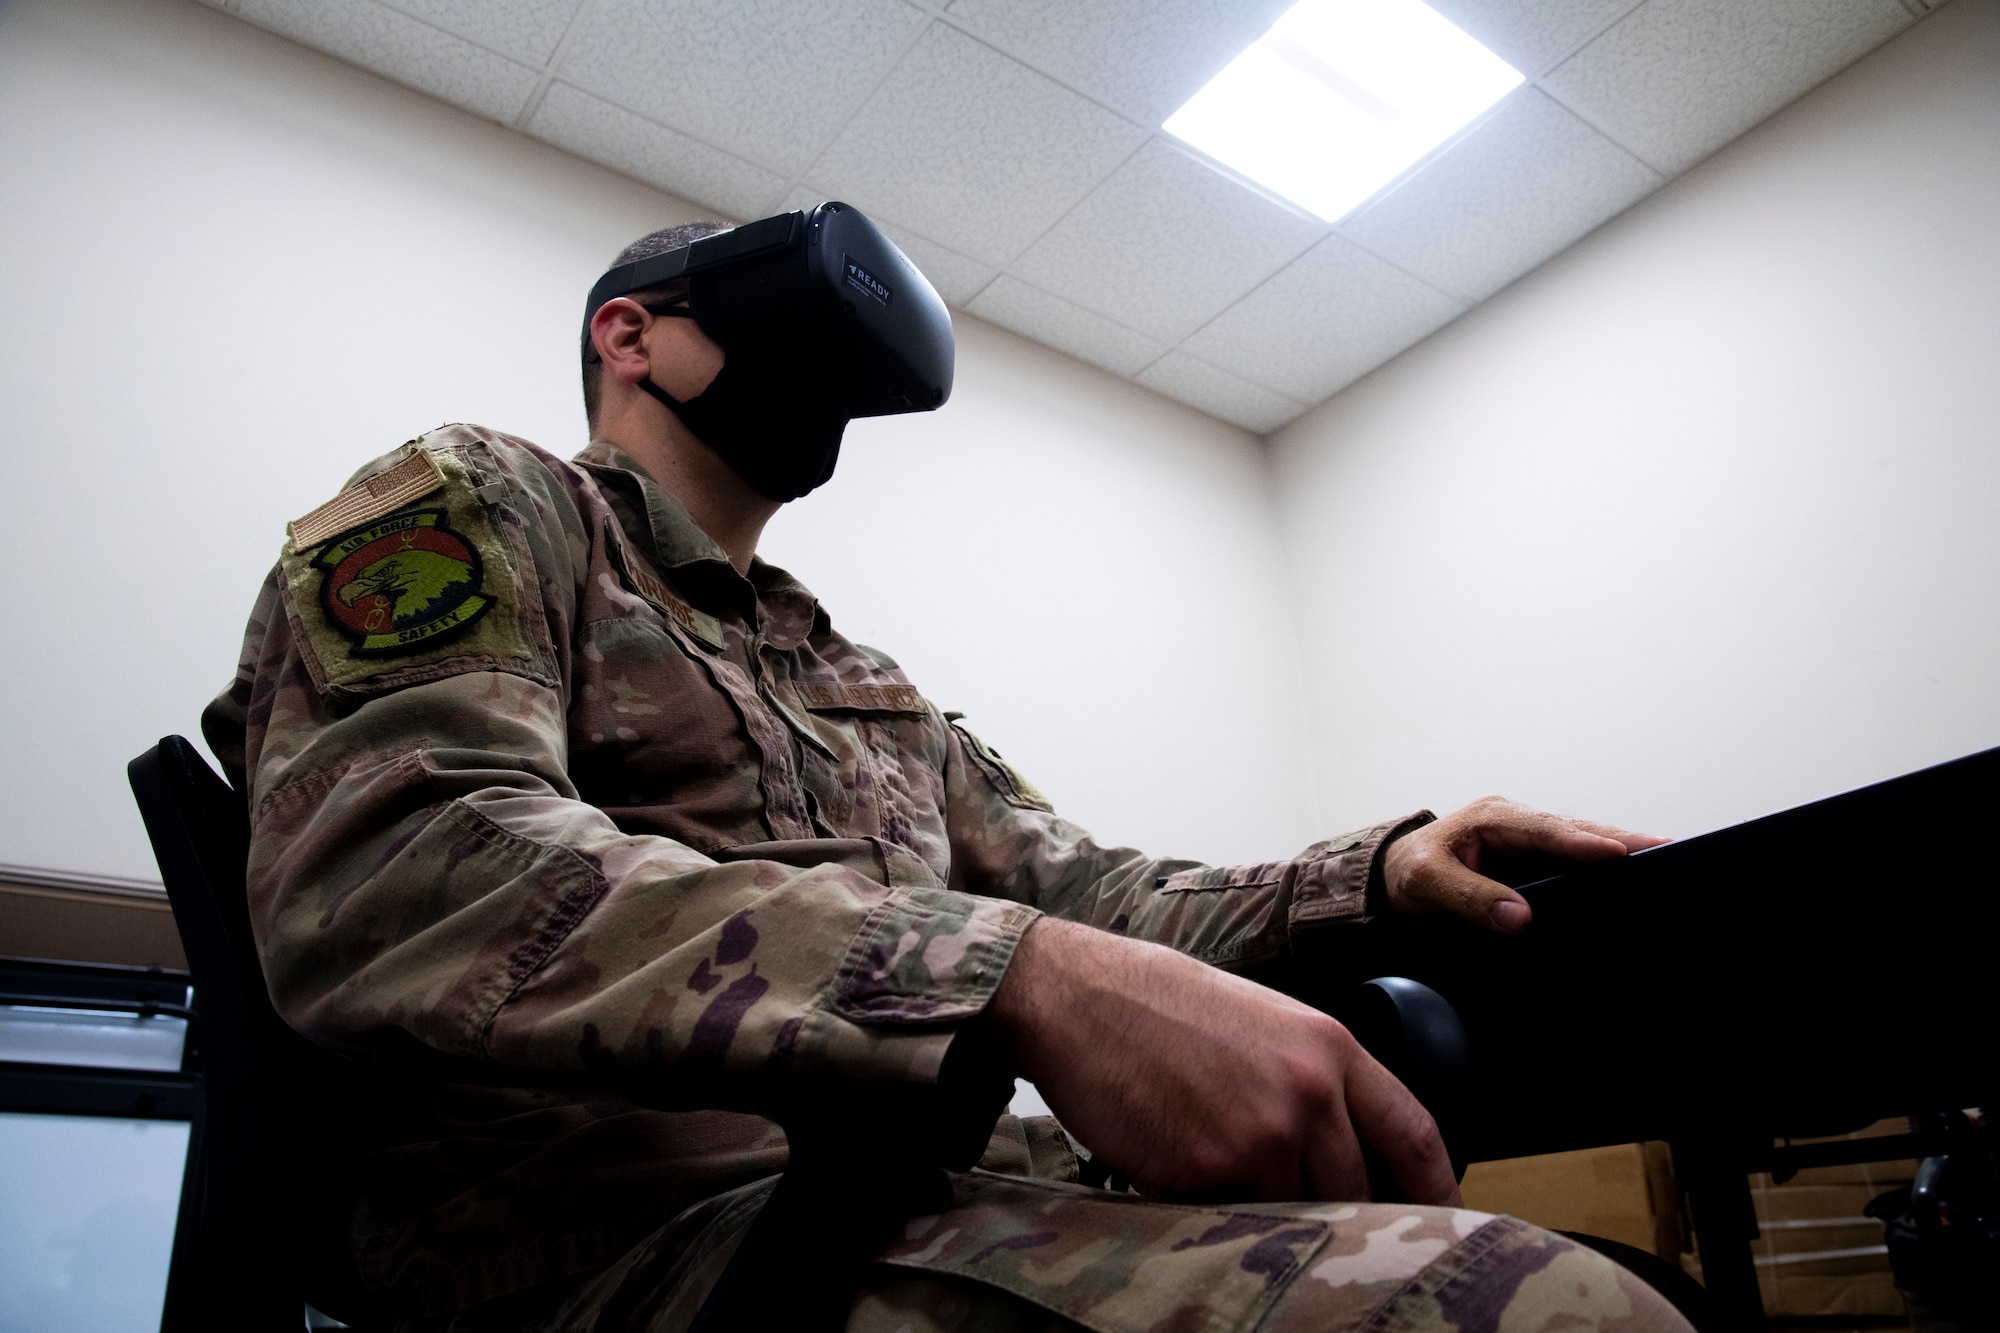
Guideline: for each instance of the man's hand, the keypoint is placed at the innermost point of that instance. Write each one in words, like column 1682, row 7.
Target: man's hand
column 1195, row 1083
column 1436, row 868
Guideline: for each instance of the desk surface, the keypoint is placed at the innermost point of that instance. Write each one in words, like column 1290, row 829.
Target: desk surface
column 1805, row 973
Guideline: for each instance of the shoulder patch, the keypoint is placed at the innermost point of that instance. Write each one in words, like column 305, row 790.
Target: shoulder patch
column 419, row 584
column 1013, row 788
column 398, row 584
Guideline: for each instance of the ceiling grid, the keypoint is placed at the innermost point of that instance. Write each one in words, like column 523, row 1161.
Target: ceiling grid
column 1013, row 148
column 541, row 90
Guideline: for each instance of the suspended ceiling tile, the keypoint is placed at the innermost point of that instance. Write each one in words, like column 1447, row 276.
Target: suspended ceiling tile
column 1219, row 393
column 527, row 30
column 1144, row 57
column 972, row 148
column 1524, row 184
column 957, row 278
column 1017, row 134
column 400, row 48
column 1027, row 310
column 1166, row 243
column 1328, row 318
column 1531, row 35
column 1677, row 79
column 765, row 79
column 593, row 128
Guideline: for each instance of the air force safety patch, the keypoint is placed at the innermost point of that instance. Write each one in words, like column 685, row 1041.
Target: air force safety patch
column 402, row 583
column 418, row 587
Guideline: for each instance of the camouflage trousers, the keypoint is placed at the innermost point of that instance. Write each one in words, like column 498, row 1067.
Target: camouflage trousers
column 1015, row 1254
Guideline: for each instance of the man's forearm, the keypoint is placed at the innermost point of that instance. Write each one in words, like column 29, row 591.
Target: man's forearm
column 1195, row 1082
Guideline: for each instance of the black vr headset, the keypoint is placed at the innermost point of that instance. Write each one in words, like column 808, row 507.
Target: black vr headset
column 820, row 318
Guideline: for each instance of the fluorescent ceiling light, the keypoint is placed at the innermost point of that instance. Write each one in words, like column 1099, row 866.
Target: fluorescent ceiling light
column 1340, row 97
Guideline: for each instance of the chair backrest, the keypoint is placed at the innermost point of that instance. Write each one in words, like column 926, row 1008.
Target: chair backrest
column 234, row 1263
column 267, row 1092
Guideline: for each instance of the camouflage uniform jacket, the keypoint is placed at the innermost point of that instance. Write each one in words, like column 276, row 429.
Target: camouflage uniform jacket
column 536, row 777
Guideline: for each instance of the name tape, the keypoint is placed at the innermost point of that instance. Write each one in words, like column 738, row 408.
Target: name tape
column 865, row 698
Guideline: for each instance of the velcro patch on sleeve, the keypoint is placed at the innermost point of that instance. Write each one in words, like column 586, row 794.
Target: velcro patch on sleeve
column 419, row 589
column 862, row 698
column 370, row 498
column 1006, row 779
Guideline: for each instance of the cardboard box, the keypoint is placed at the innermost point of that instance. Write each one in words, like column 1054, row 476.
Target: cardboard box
column 1623, row 1193
column 1818, row 1257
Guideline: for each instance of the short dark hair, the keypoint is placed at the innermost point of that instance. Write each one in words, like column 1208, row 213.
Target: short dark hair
column 652, row 243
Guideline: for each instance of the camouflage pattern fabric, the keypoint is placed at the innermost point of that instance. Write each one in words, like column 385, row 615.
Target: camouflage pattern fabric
column 1023, row 1254
column 537, row 778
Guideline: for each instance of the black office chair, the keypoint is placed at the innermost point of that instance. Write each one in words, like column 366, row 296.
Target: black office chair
column 272, row 1103
column 243, row 1225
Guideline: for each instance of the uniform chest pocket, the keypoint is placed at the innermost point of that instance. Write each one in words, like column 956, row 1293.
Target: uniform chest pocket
column 646, row 719
column 633, row 668
column 886, row 778
column 884, row 715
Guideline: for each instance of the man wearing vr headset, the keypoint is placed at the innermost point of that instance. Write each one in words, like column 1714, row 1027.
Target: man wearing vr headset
column 546, row 769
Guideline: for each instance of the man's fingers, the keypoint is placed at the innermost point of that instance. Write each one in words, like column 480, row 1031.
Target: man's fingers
column 1334, row 1167
column 1632, row 842
column 1437, row 868
column 1449, row 884
column 1395, row 1124
column 1516, row 828
column 1505, row 826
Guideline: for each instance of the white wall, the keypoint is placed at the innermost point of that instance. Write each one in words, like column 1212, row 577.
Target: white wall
column 1089, row 572
column 232, row 269
column 1702, row 518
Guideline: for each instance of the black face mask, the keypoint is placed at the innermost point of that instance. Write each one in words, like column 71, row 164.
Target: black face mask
column 774, row 413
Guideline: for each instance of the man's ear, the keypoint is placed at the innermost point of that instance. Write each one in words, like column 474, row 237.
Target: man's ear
column 618, row 331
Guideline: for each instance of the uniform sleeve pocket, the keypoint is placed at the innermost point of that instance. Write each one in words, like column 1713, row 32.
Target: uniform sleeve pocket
column 1006, row 779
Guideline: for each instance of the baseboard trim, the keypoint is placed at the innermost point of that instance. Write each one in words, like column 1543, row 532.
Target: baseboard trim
column 113, row 886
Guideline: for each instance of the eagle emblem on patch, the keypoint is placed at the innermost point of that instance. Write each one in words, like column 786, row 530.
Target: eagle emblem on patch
column 401, row 584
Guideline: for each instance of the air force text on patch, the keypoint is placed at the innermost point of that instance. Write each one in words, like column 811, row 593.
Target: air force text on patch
column 399, row 584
